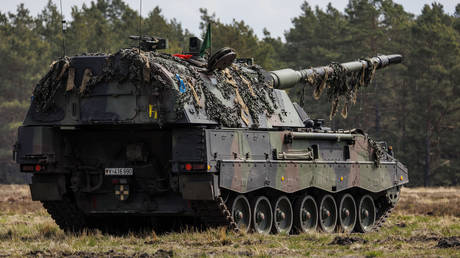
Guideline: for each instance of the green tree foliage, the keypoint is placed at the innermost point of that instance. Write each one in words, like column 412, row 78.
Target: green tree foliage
column 239, row 36
column 104, row 26
column 316, row 39
column 155, row 24
column 28, row 45
column 21, row 66
column 414, row 106
column 434, row 70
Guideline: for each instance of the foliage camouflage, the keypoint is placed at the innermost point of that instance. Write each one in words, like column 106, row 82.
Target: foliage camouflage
column 317, row 36
column 149, row 134
column 247, row 93
column 342, row 84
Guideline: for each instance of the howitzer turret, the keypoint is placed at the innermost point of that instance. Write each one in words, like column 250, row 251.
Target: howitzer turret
column 140, row 134
column 287, row 78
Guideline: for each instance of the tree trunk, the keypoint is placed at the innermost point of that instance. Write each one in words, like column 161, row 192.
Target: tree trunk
column 426, row 182
column 377, row 118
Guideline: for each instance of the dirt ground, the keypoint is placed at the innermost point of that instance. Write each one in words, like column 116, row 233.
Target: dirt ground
column 426, row 222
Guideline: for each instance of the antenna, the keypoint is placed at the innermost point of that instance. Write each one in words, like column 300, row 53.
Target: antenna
column 63, row 29
column 140, row 24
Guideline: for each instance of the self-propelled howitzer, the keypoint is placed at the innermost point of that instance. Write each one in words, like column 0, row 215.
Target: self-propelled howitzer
column 138, row 135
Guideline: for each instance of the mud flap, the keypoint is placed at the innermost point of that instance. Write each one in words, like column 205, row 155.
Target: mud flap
column 47, row 187
column 199, row 187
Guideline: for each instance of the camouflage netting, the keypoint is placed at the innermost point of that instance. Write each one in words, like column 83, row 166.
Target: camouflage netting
column 378, row 152
column 48, row 86
column 249, row 86
column 341, row 85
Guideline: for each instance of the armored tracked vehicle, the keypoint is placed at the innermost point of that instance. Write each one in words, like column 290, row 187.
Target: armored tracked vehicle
column 140, row 136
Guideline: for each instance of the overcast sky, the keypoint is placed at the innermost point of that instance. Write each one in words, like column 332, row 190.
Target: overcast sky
column 275, row 15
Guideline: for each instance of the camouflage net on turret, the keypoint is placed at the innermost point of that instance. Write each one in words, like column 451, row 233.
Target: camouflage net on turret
column 249, row 86
column 48, row 86
column 341, row 85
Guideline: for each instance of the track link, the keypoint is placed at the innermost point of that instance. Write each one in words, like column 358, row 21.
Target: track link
column 384, row 215
column 215, row 213
column 66, row 215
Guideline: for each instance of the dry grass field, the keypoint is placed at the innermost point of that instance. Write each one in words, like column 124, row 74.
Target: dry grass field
column 425, row 223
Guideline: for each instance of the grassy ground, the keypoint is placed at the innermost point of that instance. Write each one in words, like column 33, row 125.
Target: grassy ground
column 425, row 223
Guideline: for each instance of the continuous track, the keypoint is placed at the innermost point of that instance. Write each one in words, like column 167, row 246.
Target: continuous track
column 66, row 215
column 212, row 213
column 216, row 213
column 385, row 212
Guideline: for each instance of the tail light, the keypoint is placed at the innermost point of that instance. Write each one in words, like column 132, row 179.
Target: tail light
column 195, row 167
column 33, row 168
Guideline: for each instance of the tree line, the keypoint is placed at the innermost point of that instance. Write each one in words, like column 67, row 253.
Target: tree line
column 414, row 106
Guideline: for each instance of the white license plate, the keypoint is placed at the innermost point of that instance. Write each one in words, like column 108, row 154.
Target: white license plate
column 118, row 171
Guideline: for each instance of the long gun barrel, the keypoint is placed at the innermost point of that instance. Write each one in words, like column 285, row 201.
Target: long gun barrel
column 286, row 78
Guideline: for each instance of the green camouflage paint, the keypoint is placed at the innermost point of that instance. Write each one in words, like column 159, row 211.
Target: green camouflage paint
column 244, row 174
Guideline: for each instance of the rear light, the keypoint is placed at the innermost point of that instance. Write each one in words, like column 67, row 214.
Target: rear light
column 32, row 168
column 195, row 166
column 27, row 168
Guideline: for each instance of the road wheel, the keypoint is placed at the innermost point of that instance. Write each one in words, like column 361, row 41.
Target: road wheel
column 262, row 215
column 282, row 214
column 366, row 214
column 306, row 214
column 241, row 212
column 347, row 213
column 327, row 214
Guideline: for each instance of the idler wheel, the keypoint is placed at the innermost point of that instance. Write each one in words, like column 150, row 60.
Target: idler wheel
column 393, row 195
column 306, row 214
column 327, row 214
column 262, row 215
column 347, row 209
column 241, row 212
column 283, row 215
column 366, row 214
